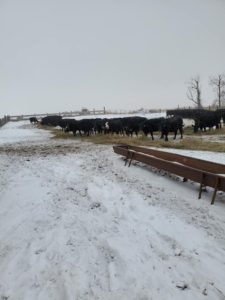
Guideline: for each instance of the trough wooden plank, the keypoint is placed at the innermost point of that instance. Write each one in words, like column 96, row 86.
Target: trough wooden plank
column 203, row 172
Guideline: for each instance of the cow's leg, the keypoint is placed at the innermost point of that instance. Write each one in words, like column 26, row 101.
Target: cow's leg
column 152, row 135
column 181, row 133
column 175, row 134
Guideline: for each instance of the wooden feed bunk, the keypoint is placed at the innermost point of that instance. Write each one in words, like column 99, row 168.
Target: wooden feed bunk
column 204, row 172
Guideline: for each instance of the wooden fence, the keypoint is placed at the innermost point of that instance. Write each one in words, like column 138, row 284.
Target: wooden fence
column 4, row 120
column 71, row 114
column 63, row 114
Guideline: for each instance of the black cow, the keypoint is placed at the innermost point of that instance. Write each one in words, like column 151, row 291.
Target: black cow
column 221, row 113
column 114, row 126
column 83, row 126
column 86, row 126
column 186, row 113
column 72, row 125
column 207, row 119
column 51, row 120
column 172, row 124
column 100, row 125
column 132, row 124
column 151, row 125
column 63, row 123
column 33, row 120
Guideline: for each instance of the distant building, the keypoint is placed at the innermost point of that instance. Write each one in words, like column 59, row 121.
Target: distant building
column 85, row 111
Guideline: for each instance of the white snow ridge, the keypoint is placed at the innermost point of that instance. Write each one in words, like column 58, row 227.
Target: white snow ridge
column 76, row 224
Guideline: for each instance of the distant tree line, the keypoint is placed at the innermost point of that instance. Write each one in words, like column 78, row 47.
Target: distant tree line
column 216, row 82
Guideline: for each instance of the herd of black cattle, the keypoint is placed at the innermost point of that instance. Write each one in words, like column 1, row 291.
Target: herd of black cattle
column 133, row 125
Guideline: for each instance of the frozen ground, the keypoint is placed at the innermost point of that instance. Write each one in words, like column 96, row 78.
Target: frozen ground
column 76, row 224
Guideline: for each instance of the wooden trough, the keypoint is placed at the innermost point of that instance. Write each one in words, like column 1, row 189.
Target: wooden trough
column 204, row 172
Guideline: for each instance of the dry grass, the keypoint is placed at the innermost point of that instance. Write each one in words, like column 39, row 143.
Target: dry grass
column 189, row 131
column 190, row 142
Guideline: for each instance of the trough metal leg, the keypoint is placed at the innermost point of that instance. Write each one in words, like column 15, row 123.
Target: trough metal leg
column 131, row 159
column 215, row 191
column 201, row 186
column 127, row 157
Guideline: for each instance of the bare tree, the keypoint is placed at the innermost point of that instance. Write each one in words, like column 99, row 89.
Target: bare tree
column 218, row 85
column 194, row 91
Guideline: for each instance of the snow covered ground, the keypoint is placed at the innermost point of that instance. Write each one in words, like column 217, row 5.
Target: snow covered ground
column 187, row 122
column 110, row 116
column 75, row 223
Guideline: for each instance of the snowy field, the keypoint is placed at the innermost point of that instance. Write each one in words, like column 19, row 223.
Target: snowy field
column 187, row 122
column 76, row 224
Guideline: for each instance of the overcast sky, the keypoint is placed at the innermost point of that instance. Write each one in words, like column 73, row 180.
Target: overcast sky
column 63, row 55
